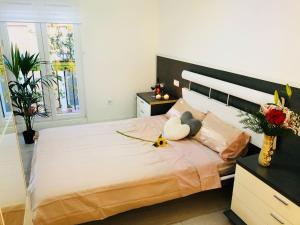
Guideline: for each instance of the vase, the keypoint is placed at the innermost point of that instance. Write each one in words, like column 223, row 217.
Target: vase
column 29, row 136
column 267, row 150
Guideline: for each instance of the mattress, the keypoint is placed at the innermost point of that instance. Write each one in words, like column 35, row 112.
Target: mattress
column 90, row 172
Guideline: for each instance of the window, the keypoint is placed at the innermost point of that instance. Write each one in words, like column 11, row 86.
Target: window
column 62, row 59
column 57, row 46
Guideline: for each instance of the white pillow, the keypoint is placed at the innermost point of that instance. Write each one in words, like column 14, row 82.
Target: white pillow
column 174, row 130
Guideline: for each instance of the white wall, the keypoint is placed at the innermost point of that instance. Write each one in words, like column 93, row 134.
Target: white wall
column 12, row 184
column 251, row 37
column 120, row 39
column 119, row 42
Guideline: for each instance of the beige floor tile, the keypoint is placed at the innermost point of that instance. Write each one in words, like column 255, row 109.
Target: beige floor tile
column 216, row 218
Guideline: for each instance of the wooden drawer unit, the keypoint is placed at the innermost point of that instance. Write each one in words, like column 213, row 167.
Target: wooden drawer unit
column 246, row 204
column 257, row 203
column 242, row 209
column 147, row 105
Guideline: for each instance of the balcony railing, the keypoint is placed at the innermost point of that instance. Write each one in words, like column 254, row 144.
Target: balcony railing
column 65, row 90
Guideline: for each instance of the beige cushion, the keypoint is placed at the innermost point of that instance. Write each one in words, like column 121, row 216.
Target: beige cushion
column 222, row 137
column 182, row 106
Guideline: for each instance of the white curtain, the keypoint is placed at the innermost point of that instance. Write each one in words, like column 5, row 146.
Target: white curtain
column 54, row 11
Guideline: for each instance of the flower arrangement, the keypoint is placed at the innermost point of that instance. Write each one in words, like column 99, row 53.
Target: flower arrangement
column 273, row 119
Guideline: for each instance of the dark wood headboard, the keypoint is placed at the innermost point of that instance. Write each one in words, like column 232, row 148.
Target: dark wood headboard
column 169, row 69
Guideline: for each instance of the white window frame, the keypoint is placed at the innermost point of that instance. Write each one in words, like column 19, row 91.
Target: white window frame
column 2, row 119
column 42, row 38
column 5, row 117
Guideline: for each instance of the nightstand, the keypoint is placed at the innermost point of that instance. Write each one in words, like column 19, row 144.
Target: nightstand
column 147, row 105
column 266, row 195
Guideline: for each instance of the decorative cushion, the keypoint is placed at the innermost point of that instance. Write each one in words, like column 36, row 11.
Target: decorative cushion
column 182, row 106
column 186, row 116
column 174, row 130
column 222, row 137
column 195, row 125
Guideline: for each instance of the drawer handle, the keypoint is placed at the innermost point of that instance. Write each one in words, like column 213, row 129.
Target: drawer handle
column 282, row 201
column 276, row 218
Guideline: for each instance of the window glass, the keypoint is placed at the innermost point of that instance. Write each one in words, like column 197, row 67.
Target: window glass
column 5, row 108
column 62, row 59
column 25, row 37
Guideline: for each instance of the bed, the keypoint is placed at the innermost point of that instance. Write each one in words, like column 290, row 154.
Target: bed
column 90, row 172
column 116, row 173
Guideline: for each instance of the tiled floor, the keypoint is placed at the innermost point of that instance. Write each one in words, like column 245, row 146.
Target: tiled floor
column 216, row 218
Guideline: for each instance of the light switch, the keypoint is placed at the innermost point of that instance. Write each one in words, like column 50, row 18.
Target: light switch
column 176, row 83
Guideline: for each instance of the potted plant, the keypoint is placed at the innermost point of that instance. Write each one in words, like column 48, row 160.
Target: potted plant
column 273, row 119
column 24, row 89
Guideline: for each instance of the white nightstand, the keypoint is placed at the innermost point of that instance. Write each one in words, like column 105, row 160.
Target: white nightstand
column 147, row 105
column 262, row 197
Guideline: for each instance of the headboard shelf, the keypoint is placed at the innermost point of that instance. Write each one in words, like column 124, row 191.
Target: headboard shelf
column 231, row 89
column 236, row 102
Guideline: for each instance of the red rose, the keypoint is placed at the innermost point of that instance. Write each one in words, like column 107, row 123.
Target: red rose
column 275, row 116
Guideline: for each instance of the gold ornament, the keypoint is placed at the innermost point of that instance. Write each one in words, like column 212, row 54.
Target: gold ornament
column 267, row 150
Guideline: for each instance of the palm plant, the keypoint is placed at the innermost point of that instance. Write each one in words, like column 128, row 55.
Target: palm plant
column 24, row 88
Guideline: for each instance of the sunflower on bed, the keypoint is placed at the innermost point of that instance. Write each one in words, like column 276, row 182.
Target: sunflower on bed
column 176, row 128
column 160, row 142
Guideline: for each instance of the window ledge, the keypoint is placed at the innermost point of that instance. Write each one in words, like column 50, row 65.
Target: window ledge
column 60, row 122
